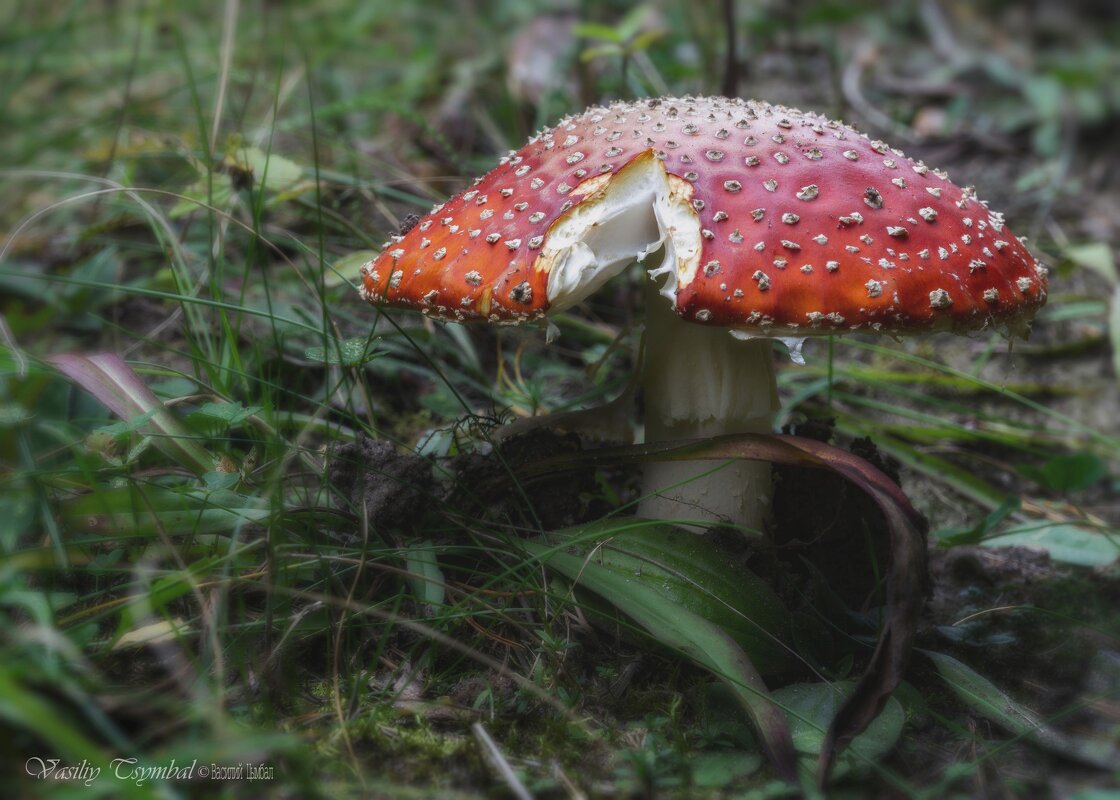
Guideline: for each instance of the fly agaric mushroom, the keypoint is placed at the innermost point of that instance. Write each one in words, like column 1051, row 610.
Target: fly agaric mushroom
column 771, row 222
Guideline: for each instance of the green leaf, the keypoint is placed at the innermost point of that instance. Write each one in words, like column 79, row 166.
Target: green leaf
column 1046, row 138
column 347, row 353
column 221, row 480
column 1067, row 473
column 601, row 51
column 952, row 537
column 811, row 707
column 217, row 193
column 629, row 26
column 219, row 416
column 1071, row 544
column 1074, row 310
column 424, row 575
column 273, row 172
column 1046, row 94
column 982, row 696
column 1096, row 256
column 720, row 768
column 594, row 30
column 171, row 388
column 121, row 430
column 644, row 40
column 345, row 270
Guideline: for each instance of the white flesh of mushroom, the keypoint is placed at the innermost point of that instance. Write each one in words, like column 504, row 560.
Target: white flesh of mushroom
column 698, row 380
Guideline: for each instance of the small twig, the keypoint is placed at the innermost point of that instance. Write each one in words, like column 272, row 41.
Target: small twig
column 730, row 86
column 851, row 82
column 940, row 33
column 574, row 792
column 649, row 71
column 920, row 87
column 229, row 28
column 498, row 762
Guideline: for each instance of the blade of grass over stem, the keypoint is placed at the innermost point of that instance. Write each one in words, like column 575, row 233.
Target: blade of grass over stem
column 905, row 573
column 699, row 639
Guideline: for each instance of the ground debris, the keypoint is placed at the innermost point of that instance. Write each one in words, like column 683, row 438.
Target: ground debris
column 492, row 485
column 392, row 489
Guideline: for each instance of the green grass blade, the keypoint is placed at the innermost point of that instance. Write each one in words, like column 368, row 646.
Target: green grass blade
column 698, row 639
column 983, row 697
column 116, row 386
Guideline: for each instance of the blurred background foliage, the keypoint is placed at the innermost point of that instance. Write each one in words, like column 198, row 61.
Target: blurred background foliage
column 192, row 186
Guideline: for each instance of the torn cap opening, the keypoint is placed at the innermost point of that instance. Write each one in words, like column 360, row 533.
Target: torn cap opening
column 625, row 217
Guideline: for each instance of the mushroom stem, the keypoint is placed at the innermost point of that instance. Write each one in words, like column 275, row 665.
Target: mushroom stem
column 700, row 381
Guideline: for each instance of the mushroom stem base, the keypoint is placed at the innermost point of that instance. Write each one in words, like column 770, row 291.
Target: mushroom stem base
column 738, row 493
column 700, row 381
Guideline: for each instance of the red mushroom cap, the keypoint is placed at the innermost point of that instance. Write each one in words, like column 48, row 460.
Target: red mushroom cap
column 783, row 223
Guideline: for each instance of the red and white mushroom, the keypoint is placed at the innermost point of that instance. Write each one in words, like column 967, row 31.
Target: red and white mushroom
column 766, row 221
